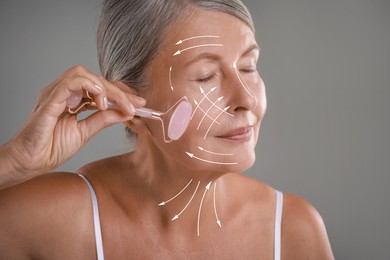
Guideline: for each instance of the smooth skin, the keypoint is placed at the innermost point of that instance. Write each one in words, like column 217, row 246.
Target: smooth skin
column 50, row 217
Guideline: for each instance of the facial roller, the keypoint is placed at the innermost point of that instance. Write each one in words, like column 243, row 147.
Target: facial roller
column 178, row 123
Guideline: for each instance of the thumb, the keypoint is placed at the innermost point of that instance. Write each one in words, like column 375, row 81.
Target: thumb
column 96, row 122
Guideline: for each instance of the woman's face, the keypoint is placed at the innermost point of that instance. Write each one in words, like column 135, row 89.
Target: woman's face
column 210, row 59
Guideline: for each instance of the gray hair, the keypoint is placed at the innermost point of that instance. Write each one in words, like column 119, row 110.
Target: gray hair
column 130, row 34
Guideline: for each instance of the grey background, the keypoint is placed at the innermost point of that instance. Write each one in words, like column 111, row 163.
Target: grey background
column 326, row 65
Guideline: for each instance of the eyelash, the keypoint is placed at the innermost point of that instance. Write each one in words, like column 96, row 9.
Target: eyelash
column 211, row 77
column 205, row 80
column 249, row 70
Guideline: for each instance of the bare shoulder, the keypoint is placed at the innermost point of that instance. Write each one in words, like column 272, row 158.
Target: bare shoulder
column 99, row 168
column 43, row 215
column 304, row 234
column 248, row 189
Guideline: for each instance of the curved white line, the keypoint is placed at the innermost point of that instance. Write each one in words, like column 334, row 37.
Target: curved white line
column 242, row 83
column 170, row 78
column 174, row 197
column 208, row 130
column 197, row 46
column 206, row 113
column 196, row 37
column 204, row 150
column 200, row 208
column 215, row 207
column 188, row 203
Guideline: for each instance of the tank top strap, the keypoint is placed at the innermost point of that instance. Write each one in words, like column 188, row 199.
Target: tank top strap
column 278, row 225
column 96, row 220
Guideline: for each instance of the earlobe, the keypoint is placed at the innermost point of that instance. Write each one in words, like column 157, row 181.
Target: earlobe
column 138, row 126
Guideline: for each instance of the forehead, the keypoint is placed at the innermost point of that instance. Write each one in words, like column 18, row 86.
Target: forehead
column 232, row 33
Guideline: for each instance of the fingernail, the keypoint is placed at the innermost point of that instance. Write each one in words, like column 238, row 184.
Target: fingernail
column 132, row 108
column 99, row 88
column 141, row 99
column 105, row 102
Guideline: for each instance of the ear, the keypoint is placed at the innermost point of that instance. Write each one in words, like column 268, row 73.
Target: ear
column 138, row 125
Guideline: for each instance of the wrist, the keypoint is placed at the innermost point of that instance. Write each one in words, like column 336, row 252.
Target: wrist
column 11, row 170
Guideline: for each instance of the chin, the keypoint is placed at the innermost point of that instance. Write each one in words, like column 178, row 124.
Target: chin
column 245, row 164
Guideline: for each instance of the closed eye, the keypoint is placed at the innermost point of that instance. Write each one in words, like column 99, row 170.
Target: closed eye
column 207, row 79
column 249, row 70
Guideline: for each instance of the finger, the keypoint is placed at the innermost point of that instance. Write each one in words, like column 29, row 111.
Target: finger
column 111, row 96
column 72, row 73
column 120, row 99
column 123, row 98
column 79, row 71
column 75, row 99
column 68, row 89
column 96, row 122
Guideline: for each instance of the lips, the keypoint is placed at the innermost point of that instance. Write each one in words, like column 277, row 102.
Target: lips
column 241, row 134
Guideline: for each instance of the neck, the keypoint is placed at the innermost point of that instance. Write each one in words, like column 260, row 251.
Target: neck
column 178, row 193
column 160, row 171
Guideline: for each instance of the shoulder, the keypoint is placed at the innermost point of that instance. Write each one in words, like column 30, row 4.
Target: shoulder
column 259, row 199
column 304, row 234
column 43, row 212
column 105, row 166
column 50, row 188
column 250, row 190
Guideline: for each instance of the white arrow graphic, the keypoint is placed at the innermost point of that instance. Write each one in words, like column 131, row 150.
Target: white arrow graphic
column 170, row 78
column 196, row 37
column 208, row 110
column 215, row 120
column 198, row 46
column 207, row 161
column 242, row 83
column 197, row 104
column 174, row 197
column 204, row 150
column 200, row 205
column 204, row 96
column 215, row 207
column 188, row 203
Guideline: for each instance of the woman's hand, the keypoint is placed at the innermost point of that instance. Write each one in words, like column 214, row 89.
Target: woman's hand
column 51, row 135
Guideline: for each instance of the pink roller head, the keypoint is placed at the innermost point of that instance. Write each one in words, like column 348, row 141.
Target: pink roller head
column 179, row 120
column 75, row 99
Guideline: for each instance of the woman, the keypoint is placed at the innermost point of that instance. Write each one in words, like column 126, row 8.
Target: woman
column 168, row 199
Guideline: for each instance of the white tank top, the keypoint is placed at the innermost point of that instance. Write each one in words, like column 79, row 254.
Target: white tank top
column 98, row 233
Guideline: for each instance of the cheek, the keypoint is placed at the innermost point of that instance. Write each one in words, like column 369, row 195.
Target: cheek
column 263, row 98
column 197, row 149
column 209, row 111
column 259, row 90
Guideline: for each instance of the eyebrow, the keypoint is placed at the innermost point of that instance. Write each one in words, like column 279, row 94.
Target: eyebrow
column 204, row 55
column 215, row 57
column 251, row 48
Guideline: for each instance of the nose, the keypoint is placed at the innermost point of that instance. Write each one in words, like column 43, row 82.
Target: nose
column 243, row 94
